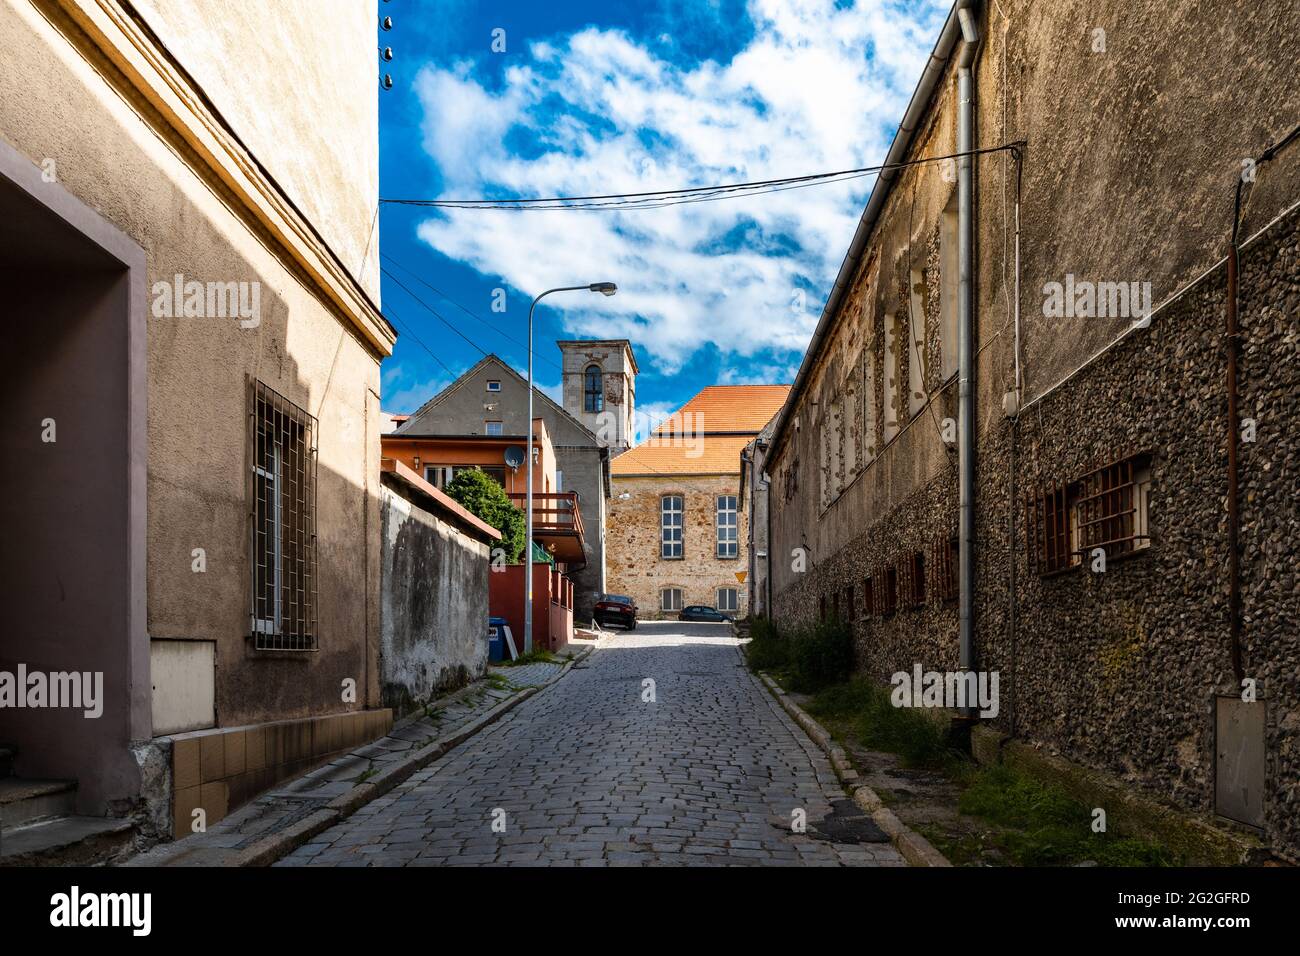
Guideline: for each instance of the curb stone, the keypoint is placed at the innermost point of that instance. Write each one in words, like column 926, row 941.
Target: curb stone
column 916, row 849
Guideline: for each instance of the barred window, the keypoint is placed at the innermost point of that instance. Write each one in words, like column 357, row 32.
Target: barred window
column 282, row 512
column 868, row 597
column 1052, row 529
column 670, row 526
column 889, row 600
column 821, row 608
column 670, row 599
column 848, row 604
column 946, row 561
column 728, row 544
column 1113, row 507
column 915, row 592
column 728, row 599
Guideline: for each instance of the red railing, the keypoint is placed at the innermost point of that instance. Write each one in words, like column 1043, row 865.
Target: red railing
column 554, row 512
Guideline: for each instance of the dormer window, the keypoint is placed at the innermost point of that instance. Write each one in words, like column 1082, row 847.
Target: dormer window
column 593, row 394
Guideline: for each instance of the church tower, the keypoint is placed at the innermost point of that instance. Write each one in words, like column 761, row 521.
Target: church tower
column 600, row 388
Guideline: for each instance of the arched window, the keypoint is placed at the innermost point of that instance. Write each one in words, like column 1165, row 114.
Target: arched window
column 592, row 391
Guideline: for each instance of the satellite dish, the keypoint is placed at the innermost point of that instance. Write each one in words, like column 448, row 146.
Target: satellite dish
column 514, row 456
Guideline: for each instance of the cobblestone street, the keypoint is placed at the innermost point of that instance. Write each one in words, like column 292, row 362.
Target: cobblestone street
column 709, row 772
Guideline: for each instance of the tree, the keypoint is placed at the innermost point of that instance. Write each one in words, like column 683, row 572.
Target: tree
column 484, row 498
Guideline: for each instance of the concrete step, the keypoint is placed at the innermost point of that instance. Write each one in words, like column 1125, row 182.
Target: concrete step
column 65, row 841
column 26, row 801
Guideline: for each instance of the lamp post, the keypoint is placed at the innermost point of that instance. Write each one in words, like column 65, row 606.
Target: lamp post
column 604, row 288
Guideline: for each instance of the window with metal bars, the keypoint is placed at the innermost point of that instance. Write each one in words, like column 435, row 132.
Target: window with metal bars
column 282, row 513
column 1052, row 529
column 914, row 592
column 889, row 595
column 848, row 604
column 946, row 561
column 868, row 597
column 1112, row 507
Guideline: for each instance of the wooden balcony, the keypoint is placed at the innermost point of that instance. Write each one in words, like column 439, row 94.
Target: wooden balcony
column 557, row 524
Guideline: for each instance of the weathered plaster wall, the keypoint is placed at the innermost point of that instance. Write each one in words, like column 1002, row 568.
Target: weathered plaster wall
column 636, row 567
column 290, row 77
column 113, row 157
column 433, row 604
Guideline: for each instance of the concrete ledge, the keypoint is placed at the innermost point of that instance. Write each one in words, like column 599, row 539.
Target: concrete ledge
column 916, row 849
column 1128, row 811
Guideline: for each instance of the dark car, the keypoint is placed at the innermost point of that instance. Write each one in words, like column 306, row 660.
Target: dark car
column 702, row 612
column 616, row 609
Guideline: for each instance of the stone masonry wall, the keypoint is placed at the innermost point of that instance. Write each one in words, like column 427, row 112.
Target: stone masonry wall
column 633, row 557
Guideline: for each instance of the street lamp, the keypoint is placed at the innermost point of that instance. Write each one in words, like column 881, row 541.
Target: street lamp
column 604, row 288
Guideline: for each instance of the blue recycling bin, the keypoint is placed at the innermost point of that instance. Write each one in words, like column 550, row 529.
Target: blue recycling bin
column 496, row 639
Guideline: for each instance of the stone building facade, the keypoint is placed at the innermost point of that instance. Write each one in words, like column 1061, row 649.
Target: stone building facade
column 1093, row 432
column 677, row 534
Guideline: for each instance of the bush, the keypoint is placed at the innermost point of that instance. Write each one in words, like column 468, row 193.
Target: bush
column 767, row 650
column 479, row 493
column 821, row 655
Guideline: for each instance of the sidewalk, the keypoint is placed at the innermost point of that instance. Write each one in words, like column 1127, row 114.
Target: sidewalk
column 287, row 816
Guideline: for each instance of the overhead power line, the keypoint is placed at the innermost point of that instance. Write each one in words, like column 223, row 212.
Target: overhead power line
column 473, row 315
column 656, row 199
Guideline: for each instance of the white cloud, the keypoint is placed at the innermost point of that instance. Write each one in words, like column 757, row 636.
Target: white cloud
column 818, row 88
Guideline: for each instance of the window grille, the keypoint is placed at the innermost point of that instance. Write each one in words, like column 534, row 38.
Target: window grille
column 1051, row 527
column 868, row 597
column 915, row 592
column 282, row 516
column 848, row 604
column 889, row 598
column 1112, row 508
column 946, row 561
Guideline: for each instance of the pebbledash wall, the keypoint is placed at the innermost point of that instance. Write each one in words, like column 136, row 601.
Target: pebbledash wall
column 636, row 567
column 159, row 118
column 1121, row 670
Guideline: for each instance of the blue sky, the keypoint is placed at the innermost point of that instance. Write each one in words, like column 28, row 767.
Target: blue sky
column 615, row 97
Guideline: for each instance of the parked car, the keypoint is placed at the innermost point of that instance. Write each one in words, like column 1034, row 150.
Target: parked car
column 616, row 609
column 702, row 612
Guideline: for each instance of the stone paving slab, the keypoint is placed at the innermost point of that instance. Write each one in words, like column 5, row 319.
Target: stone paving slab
column 345, row 780
column 701, row 767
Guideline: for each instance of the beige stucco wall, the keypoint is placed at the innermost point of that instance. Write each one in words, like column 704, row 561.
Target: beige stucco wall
column 117, row 157
column 633, row 562
column 298, row 81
